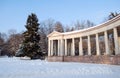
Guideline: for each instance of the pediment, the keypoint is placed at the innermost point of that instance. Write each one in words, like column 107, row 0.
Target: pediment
column 54, row 33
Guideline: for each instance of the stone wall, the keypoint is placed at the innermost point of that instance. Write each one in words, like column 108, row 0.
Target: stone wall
column 87, row 59
column 55, row 59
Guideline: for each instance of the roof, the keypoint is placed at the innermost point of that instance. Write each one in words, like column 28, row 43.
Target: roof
column 54, row 33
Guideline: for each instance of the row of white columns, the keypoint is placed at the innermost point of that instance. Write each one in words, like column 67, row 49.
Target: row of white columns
column 60, row 47
column 63, row 43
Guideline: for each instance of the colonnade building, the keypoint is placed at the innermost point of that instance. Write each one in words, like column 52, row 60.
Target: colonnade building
column 103, row 39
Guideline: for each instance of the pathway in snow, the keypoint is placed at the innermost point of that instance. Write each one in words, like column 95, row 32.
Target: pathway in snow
column 16, row 68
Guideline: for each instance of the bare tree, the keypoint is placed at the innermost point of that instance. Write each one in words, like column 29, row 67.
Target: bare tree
column 47, row 26
column 72, row 29
column 43, row 42
column 59, row 27
column 83, row 24
column 79, row 25
column 13, row 43
column 67, row 28
column 12, row 31
column 89, row 24
column 112, row 15
column 1, row 43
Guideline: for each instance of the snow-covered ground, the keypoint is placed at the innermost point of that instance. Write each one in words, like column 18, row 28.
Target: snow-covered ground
column 17, row 68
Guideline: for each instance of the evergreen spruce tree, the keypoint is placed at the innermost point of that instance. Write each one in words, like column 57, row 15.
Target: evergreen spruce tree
column 30, row 46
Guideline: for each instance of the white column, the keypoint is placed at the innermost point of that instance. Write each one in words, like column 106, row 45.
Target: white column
column 80, row 47
column 65, row 47
column 58, row 48
column 61, row 48
column 116, row 41
column 49, row 47
column 106, row 43
column 97, row 44
column 73, row 47
column 89, row 46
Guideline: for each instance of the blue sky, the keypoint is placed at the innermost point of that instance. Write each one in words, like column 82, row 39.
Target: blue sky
column 13, row 13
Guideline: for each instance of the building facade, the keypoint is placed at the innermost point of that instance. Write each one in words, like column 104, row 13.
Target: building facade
column 100, row 40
